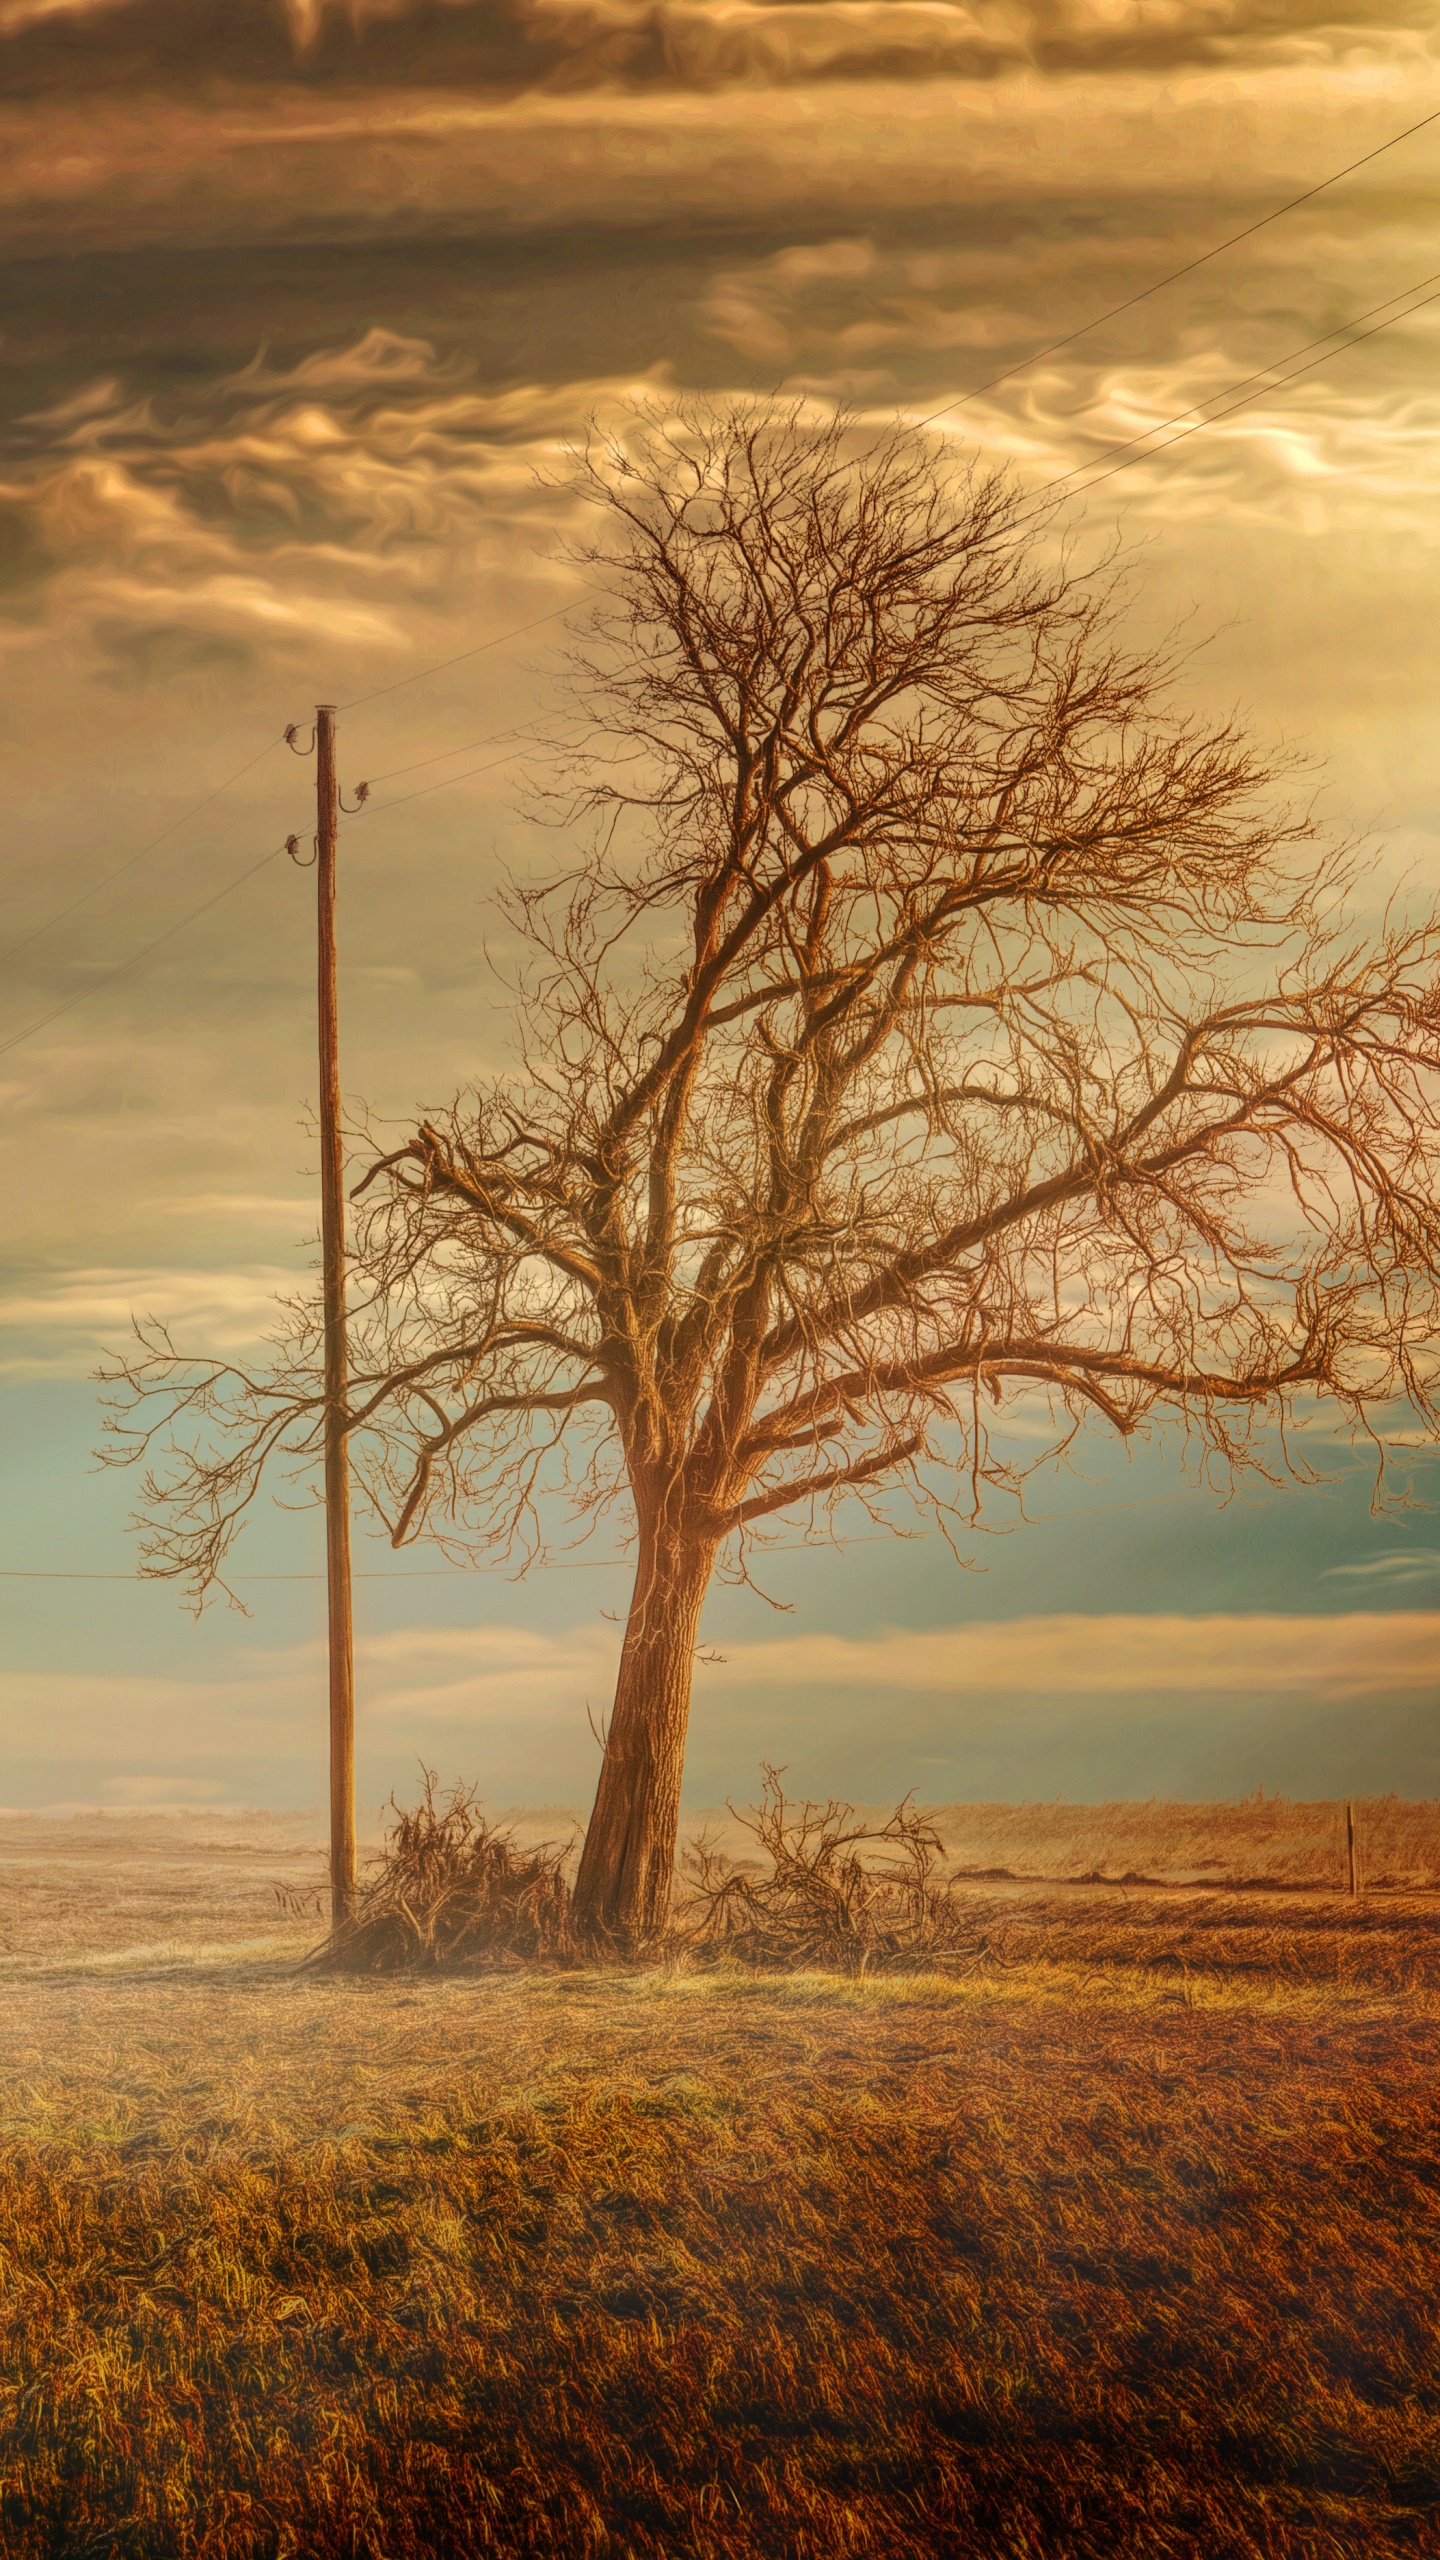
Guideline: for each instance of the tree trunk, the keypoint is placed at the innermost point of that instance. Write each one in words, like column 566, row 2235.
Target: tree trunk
column 622, row 1891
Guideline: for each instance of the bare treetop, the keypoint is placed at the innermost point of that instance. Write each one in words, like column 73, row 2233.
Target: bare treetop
column 935, row 1016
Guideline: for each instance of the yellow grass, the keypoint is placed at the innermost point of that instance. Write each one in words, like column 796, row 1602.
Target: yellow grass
column 1267, row 1839
column 135, row 1882
column 1123, row 2242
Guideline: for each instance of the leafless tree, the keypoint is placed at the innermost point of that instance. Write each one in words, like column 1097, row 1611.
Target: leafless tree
column 939, row 1020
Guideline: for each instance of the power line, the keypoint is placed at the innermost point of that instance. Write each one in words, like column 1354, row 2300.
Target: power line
column 404, row 1573
column 498, row 641
column 445, row 753
column 1218, row 415
column 131, row 859
column 1345, row 332
column 468, row 776
column 524, row 737
column 136, row 957
column 1290, row 206
column 616, row 1564
column 1348, row 332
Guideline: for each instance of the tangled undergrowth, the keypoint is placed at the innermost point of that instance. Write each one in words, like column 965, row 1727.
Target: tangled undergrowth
column 451, row 1892
column 833, row 1891
column 829, row 1890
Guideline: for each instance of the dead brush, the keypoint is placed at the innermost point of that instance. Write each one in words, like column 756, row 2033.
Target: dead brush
column 453, row 1893
column 842, row 1894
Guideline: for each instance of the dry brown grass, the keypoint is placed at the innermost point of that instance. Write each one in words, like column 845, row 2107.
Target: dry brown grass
column 793, row 1883
column 110, row 1883
column 1258, row 1841
column 124, row 1882
column 1261, row 1840
column 1124, row 2244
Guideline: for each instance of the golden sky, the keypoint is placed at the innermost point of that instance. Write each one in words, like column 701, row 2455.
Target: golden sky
column 300, row 308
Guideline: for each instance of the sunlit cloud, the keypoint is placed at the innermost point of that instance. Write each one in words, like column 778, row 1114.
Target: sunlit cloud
column 300, row 511
column 262, row 166
column 500, row 1670
column 672, row 42
column 450, row 234
column 1414, row 1564
column 249, row 1205
column 490, row 1674
column 509, row 1699
column 219, row 1311
column 1112, row 1657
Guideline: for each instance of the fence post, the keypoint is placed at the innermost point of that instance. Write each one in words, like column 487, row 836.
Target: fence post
column 1351, row 1870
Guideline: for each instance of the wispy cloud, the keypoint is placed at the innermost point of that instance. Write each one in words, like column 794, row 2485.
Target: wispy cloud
column 92, row 173
column 509, row 1671
column 89, row 1309
column 508, row 1704
column 254, row 1207
column 1414, row 1564
column 489, row 1674
column 1071, row 1656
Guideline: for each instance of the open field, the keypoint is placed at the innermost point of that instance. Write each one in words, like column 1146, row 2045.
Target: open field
column 1260, row 1840
column 1122, row 2241
column 111, row 1883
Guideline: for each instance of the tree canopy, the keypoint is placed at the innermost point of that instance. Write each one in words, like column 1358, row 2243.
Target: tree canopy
column 930, row 1011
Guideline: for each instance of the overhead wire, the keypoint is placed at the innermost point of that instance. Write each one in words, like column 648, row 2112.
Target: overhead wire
column 136, row 957
column 61, row 913
column 1284, row 383
column 1138, row 448
column 442, row 757
column 378, row 807
column 522, row 738
column 1348, row 333
column 497, row 641
column 616, row 1564
column 1291, row 205
column 1116, row 310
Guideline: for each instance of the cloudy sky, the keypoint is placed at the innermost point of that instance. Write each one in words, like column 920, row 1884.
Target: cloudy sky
column 302, row 304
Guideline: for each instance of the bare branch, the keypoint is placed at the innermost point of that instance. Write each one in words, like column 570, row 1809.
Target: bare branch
column 935, row 1012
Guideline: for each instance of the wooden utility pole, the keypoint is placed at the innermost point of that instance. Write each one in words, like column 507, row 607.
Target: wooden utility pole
column 332, row 1247
column 1352, row 1873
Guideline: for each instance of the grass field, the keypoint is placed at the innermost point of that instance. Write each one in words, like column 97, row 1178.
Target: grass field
column 1124, row 2241
column 116, row 1883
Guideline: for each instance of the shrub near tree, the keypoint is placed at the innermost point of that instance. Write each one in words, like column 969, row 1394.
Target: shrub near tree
column 936, row 1015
